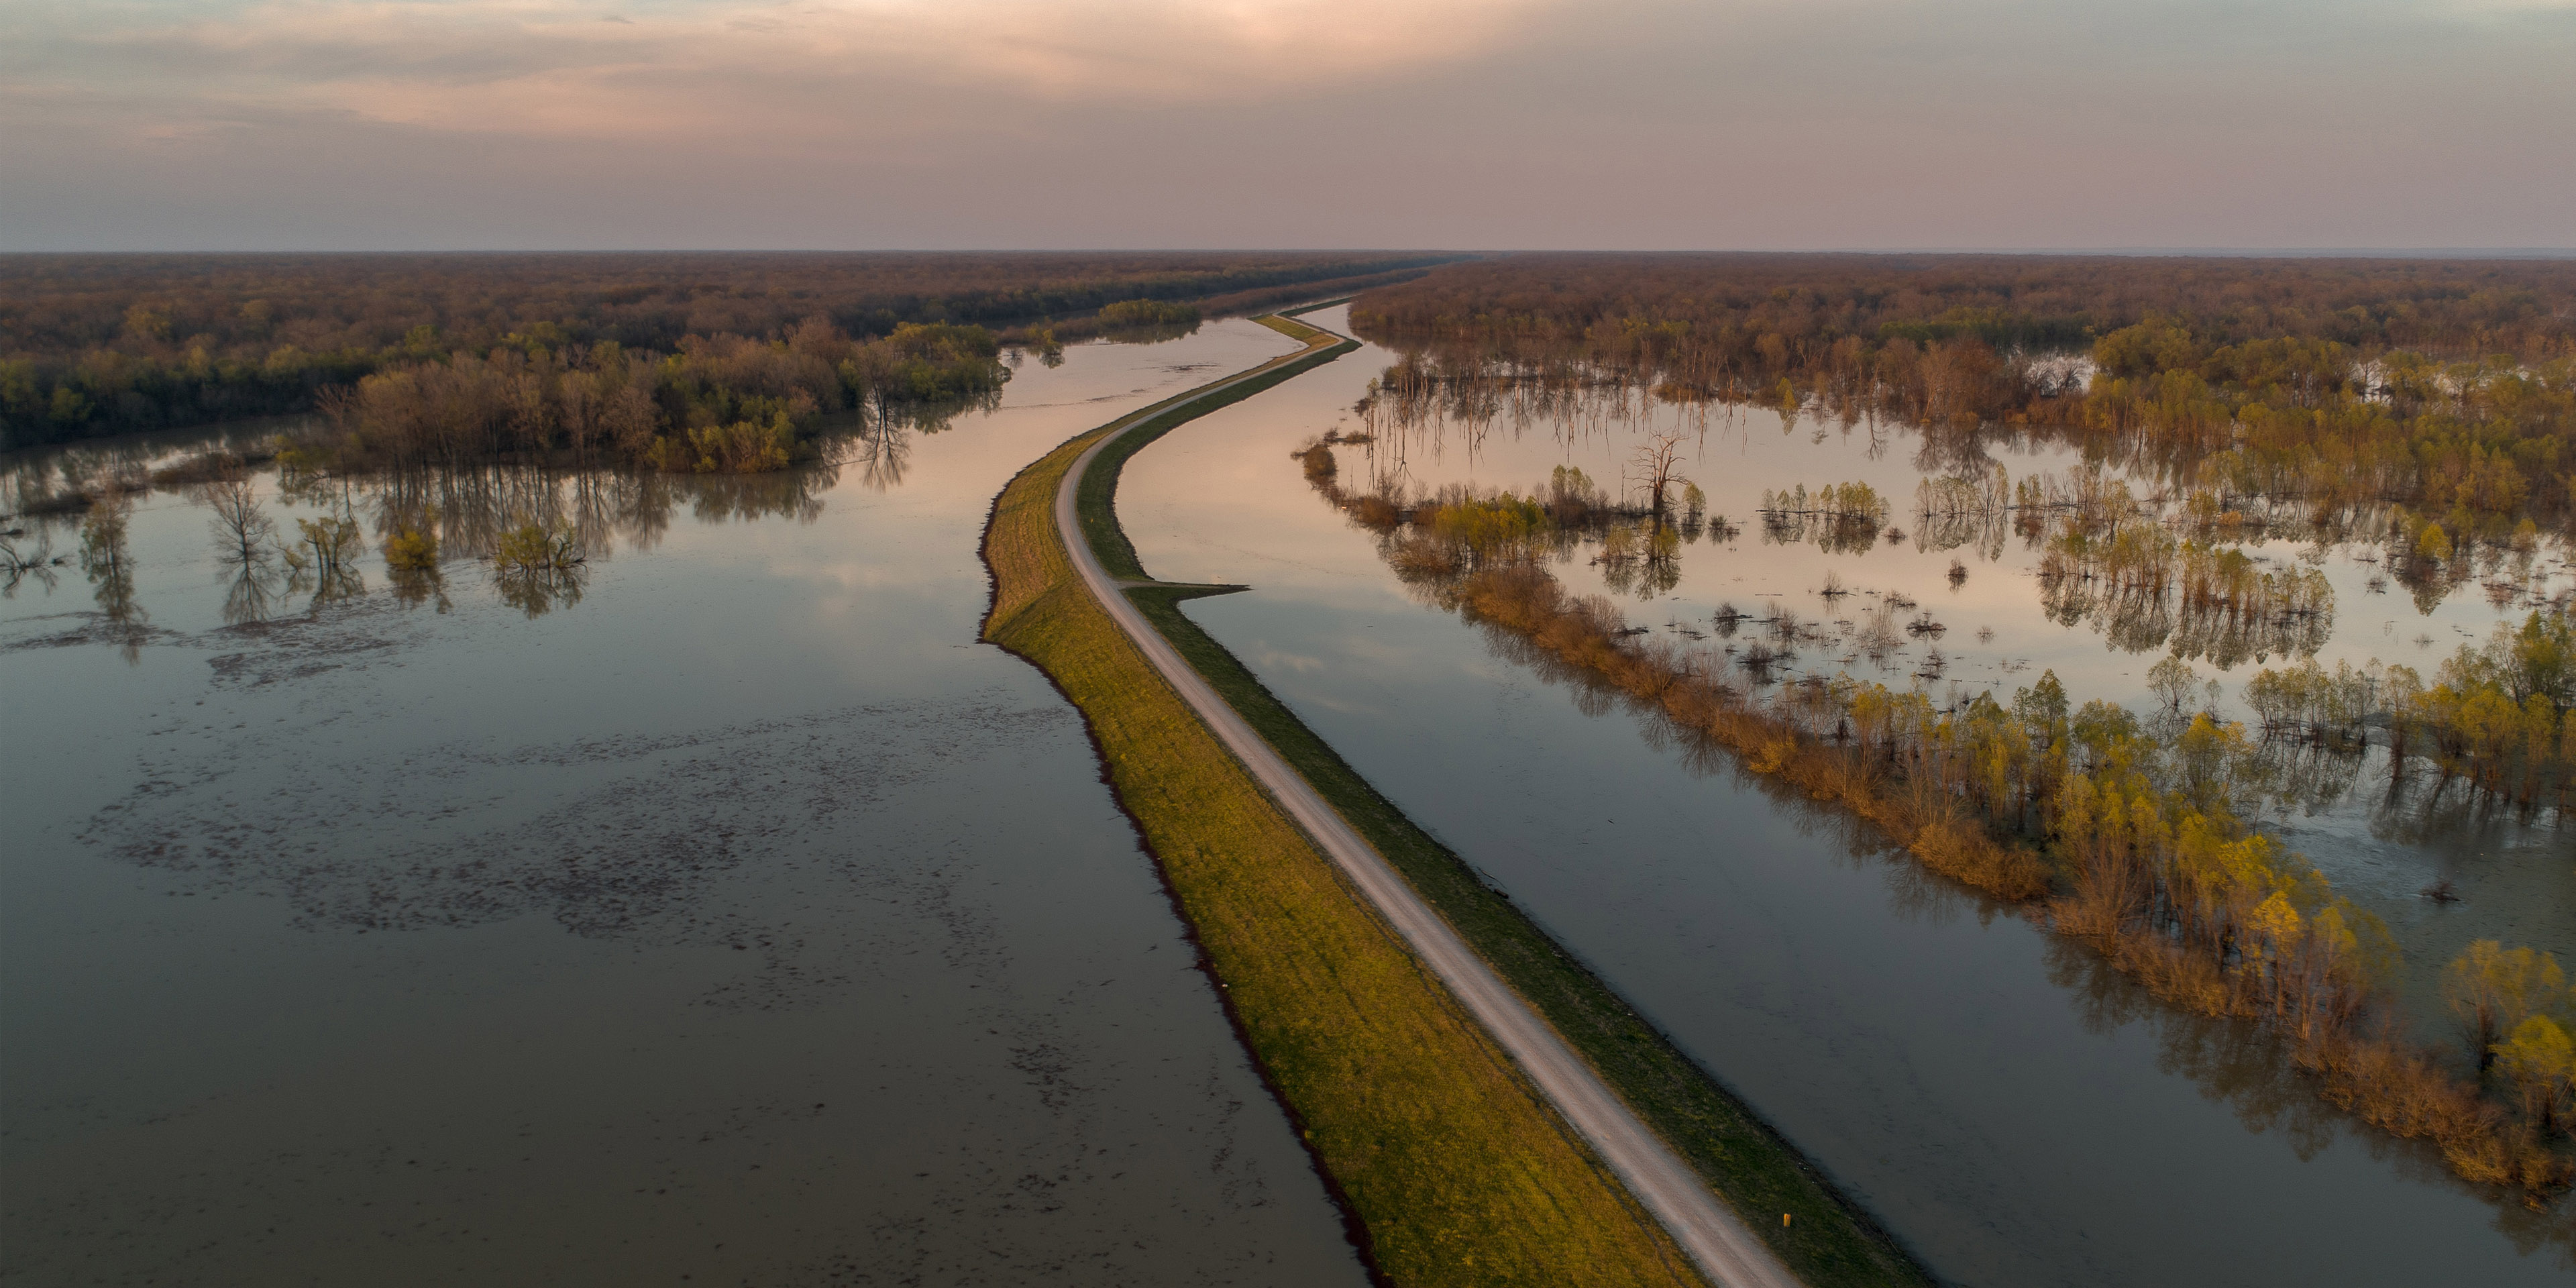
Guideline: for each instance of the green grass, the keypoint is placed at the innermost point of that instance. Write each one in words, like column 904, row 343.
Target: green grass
column 1758, row 1174
column 1762, row 1176
column 1456, row 1170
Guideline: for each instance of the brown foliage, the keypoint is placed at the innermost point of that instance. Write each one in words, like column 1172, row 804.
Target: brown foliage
column 2325, row 385
column 1772, row 315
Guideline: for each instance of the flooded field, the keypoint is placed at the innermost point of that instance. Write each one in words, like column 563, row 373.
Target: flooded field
column 2016, row 1113
column 717, row 909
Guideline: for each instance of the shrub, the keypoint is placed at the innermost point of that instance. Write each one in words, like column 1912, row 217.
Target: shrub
column 412, row 550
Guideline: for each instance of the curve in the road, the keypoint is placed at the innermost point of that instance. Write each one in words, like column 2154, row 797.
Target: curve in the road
column 1725, row 1250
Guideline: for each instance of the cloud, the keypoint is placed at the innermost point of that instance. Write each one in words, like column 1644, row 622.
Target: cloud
column 1614, row 123
column 588, row 68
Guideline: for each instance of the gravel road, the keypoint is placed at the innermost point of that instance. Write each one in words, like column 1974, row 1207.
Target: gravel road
column 1724, row 1248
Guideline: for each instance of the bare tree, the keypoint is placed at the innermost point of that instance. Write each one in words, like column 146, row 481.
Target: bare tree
column 1653, row 464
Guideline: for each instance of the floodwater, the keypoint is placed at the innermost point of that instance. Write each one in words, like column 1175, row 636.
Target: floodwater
column 2514, row 875
column 2015, row 1114
column 726, row 913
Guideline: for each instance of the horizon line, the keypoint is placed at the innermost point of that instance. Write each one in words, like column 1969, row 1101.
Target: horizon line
column 2214, row 252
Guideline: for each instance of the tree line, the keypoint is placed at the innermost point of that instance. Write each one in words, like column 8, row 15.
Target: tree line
column 105, row 344
column 722, row 404
column 2447, row 387
column 1764, row 316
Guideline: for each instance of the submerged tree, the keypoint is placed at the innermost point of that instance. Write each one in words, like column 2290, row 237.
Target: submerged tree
column 325, row 561
column 1654, row 463
column 538, row 567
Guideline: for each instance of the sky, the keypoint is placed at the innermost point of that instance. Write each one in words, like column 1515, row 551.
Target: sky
column 1459, row 124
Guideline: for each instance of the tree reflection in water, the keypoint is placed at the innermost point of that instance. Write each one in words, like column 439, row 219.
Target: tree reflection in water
column 467, row 512
column 109, row 564
column 2233, row 1063
column 247, row 559
column 414, row 587
column 880, row 452
column 36, row 563
column 535, row 590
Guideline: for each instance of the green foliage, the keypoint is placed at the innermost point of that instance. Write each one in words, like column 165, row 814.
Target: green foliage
column 1498, row 527
column 2540, row 1058
column 331, row 543
column 538, row 567
column 1841, row 518
column 743, row 447
column 536, row 547
column 412, row 550
column 925, row 364
column 2491, row 990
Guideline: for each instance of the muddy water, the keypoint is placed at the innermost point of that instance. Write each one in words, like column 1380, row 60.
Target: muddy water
column 2016, row 1116
column 743, row 921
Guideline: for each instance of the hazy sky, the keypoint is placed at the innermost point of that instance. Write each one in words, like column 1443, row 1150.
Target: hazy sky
column 282, row 124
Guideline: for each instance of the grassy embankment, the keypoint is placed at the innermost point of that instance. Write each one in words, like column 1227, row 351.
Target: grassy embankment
column 1446, row 1156
column 1758, row 1173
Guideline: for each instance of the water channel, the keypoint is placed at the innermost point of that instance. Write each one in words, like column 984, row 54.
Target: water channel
column 745, row 920
column 2015, row 1114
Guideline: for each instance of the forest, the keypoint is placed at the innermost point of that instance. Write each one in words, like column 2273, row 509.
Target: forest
column 2446, row 388
column 93, row 345
column 722, row 404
